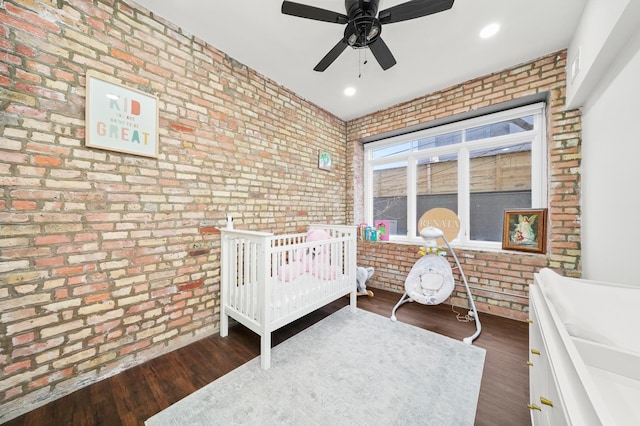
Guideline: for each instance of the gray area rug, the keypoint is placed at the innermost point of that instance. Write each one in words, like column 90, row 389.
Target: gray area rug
column 348, row 369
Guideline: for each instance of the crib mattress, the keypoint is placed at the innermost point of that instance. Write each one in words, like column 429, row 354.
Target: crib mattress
column 304, row 288
column 288, row 296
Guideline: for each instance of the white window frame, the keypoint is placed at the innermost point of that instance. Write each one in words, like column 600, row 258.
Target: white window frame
column 537, row 137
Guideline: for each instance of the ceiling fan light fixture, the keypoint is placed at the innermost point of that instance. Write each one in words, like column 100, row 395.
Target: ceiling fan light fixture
column 373, row 32
column 489, row 30
column 350, row 91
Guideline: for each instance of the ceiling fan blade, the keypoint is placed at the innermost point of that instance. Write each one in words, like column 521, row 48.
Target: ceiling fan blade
column 331, row 56
column 413, row 9
column 382, row 54
column 311, row 12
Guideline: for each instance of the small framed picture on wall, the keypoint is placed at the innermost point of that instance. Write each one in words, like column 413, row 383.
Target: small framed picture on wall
column 525, row 230
column 324, row 160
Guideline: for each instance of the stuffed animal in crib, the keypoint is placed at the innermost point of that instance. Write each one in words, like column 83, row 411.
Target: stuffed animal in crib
column 315, row 260
column 318, row 259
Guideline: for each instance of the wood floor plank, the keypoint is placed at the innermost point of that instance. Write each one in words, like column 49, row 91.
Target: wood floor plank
column 134, row 395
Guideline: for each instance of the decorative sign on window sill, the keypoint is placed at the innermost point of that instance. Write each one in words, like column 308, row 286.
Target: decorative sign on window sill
column 120, row 118
column 444, row 219
column 324, row 160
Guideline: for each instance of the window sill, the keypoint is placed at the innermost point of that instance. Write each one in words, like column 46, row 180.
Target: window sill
column 491, row 247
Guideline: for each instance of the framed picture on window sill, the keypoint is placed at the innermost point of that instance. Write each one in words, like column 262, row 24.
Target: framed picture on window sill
column 525, row 230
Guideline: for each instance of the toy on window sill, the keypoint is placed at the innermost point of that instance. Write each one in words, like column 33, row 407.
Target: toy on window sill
column 362, row 275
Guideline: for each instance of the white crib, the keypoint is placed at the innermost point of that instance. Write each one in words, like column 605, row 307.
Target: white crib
column 258, row 290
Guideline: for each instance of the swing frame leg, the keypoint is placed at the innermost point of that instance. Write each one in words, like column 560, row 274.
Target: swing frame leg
column 404, row 299
column 473, row 312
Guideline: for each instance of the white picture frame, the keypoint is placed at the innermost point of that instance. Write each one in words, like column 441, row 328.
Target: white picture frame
column 324, row 161
column 121, row 119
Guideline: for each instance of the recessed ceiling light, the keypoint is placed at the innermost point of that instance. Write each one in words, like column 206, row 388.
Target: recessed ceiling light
column 350, row 91
column 490, row 30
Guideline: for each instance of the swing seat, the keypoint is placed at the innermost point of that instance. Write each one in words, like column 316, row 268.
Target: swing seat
column 430, row 281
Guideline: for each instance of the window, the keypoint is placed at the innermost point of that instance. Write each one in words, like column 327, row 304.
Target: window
column 478, row 168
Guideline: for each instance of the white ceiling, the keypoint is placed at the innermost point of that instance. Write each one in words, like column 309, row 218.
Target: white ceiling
column 432, row 52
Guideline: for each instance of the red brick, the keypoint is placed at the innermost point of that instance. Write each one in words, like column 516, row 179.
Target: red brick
column 190, row 286
column 209, row 230
column 133, row 348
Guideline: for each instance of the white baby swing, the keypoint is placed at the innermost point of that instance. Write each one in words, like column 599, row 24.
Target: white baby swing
column 430, row 281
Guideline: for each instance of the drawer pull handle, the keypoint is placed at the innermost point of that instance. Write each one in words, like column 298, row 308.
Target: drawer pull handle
column 529, row 320
column 529, row 363
column 534, row 407
column 545, row 401
column 535, row 351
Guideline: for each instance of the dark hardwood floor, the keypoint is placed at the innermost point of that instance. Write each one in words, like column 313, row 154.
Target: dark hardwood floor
column 136, row 394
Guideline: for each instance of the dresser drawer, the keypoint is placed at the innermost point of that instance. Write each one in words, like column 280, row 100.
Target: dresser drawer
column 545, row 402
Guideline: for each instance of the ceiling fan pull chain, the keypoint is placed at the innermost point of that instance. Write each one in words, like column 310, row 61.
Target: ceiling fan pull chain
column 361, row 62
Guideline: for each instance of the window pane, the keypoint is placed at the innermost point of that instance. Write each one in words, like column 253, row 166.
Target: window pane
column 390, row 196
column 508, row 127
column 438, row 140
column 437, row 184
column 500, row 179
column 388, row 151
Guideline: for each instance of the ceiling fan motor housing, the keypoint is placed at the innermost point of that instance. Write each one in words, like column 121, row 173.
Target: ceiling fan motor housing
column 363, row 27
column 362, row 31
column 356, row 8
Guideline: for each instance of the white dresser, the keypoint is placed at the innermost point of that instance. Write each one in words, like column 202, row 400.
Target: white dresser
column 583, row 357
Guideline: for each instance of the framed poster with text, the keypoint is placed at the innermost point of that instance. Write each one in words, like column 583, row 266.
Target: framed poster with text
column 121, row 119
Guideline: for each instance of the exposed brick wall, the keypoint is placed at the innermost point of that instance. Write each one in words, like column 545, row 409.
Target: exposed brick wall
column 500, row 280
column 97, row 273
